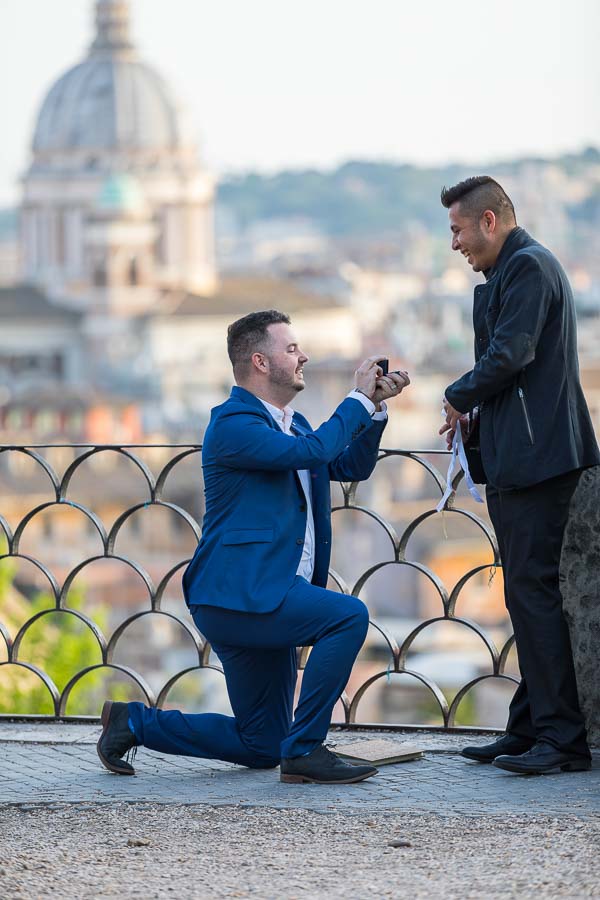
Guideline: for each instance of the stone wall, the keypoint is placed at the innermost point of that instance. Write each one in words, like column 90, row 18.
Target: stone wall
column 580, row 585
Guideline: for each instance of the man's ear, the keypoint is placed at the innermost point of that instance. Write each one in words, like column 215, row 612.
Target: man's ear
column 489, row 221
column 260, row 362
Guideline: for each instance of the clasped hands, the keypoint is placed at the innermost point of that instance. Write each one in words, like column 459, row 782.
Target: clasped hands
column 369, row 379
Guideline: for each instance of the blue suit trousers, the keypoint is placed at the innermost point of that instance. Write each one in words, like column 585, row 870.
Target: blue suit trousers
column 258, row 654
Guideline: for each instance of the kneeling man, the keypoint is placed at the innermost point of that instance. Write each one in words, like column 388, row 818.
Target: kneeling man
column 256, row 584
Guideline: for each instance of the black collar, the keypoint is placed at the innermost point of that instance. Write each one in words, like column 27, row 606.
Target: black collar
column 516, row 239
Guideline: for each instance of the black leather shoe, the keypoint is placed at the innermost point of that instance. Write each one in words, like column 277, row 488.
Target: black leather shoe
column 116, row 738
column 487, row 753
column 541, row 759
column 322, row 767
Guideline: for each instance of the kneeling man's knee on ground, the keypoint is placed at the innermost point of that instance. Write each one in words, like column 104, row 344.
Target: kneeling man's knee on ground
column 264, row 751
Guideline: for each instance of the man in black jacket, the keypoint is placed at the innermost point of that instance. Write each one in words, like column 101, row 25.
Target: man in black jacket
column 535, row 437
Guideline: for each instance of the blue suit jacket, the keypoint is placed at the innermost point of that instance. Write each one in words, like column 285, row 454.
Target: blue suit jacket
column 255, row 519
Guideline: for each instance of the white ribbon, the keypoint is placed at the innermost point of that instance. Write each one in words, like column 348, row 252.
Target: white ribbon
column 458, row 460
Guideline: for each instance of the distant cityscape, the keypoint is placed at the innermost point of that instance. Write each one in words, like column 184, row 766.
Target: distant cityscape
column 372, row 270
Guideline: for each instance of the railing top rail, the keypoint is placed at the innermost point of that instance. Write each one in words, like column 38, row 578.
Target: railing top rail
column 117, row 446
column 113, row 446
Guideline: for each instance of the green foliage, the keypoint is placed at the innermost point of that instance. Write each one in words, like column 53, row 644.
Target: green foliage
column 58, row 643
column 466, row 714
column 363, row 198
column 356, row 199
column 427, row 710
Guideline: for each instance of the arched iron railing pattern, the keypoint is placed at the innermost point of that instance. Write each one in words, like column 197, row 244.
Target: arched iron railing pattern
column 59, row 488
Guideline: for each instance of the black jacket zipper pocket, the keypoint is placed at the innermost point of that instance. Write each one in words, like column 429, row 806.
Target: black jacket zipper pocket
column 526, row 415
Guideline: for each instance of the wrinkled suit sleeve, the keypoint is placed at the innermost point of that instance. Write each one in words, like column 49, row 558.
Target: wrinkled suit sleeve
column 525, row 301
column 357, row 461
column 244, row 440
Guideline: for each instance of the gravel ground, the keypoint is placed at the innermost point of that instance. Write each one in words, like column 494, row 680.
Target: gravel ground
column 152, row 850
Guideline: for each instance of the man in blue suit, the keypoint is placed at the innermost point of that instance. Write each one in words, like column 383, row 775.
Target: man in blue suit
column 256, row 585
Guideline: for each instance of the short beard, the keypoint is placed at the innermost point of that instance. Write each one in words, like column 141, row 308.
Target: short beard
column 281, row 378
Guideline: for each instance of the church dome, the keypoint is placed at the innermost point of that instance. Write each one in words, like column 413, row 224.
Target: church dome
column 111, row 100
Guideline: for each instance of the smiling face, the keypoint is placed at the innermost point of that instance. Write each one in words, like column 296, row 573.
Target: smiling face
column 476, row 238
column 285, row 360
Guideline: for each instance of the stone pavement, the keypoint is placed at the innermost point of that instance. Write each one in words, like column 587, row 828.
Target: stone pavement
column 57, row 764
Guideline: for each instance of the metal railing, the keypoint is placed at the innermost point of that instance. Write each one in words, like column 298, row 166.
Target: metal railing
column 387, row 657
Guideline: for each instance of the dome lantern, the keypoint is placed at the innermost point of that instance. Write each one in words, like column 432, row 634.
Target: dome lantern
column 112, row 28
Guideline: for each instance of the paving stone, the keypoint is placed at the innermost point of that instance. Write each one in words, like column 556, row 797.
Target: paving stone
column 442, row 782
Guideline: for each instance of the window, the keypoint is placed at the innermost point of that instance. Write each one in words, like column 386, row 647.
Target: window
column 99, row 276
column 133, row 272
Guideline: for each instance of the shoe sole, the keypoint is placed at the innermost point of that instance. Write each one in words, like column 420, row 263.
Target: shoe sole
column 573, row 766
column 105, row 718
column 486, row 762
column 304, row 779
column 477, row 759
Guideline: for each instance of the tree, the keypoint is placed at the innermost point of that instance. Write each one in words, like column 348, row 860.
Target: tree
column 59, row 644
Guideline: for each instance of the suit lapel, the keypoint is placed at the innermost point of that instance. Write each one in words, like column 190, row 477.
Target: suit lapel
column 298, row 431
column 238, row 393
column 296, row 428
column 319, row 477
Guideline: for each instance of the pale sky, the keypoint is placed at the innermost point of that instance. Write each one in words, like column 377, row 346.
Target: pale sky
column 273, row 84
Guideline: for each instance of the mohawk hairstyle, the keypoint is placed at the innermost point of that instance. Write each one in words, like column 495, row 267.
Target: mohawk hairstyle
column 477, row 194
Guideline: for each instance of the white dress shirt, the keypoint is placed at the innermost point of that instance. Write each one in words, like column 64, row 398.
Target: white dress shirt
column 283, row 417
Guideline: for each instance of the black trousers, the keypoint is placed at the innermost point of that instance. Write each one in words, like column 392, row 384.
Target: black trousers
column 529, row 525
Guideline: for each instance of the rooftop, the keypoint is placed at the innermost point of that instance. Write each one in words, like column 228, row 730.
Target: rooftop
column 22, row 301
column 240, row 294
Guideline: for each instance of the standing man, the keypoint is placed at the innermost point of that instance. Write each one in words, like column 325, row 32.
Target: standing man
column 256, row 584
column 535, row 437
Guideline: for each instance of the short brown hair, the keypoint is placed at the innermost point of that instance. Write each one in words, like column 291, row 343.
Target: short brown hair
column 249, row 334
column 478, row 194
